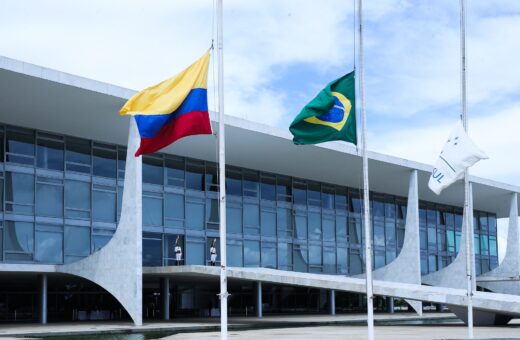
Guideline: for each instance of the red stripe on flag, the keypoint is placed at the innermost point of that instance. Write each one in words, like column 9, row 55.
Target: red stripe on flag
column 188, row 124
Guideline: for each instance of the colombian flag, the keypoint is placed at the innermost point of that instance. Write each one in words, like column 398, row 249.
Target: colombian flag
column 172, row 109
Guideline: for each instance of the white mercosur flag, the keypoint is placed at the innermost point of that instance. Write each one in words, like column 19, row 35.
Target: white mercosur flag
column 458, row 154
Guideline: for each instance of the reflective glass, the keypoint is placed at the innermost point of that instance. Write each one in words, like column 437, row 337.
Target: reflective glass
column 354, row 231
column 355, row 263
column 314, row 226
column 400, row 235
column 379, row 259
column 194, row 215
column 432, row 238
column 341, row 198
column 152, row 211
column 379, row 233
column 300, row 222
column 99, row 241
column 327, row 198
column 77, row 198
column 212, row 214
column 268, row 255
column 50, row 154
column 77, row 155
column 484, row 245
column 328, row 228
column 329, row 260
column 234, row 219
column 390, row 254
column 251, row 215
column 1, row 194
column 378, row 208
column 174, row 206
column 19, row 189
column 432, row 263
column 389, row 210
column 314, row 194
column 284, row 220
column 441, row 240
column 105, row 163
column 268, row 222
column 300, row 193
column 284, row 255
column 175, row 172
column 423, row 239
column 476, row 243
column 355, row 202
column 234, row 255
column 195, row 252
column 451, row 240
column 152, row 246
column 492, row 223
column 251, row 184
column 121, row 162
column 153, row 172
column 342, row 258
column 252, row 253
column 19, row 236
column 20, row 143
column 77, row 241
column 49, row 200
column 424, row 264
column 341, row 227
column 315, row 255
column 300, row 258
column 283, row 189
column 49, row 247
column 195, row 175
column 234, row 183
column 268, row 188
column 104, row 206
column 390, row 232
column 211, row 178
column 493, row 246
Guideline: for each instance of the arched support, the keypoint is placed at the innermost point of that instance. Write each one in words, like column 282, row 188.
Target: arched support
column 406, row 268
column 117, row 267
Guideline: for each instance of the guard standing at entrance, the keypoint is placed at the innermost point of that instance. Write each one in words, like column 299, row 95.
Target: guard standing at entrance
column 178, row 252
column 213, row 252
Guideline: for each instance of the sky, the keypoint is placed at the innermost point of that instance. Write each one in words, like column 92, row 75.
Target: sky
column 279, row 54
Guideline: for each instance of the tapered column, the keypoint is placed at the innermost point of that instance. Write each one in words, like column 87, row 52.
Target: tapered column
column 259, row 312
column 166, row 298
column 43, row 299
column 390, row 305
column 332, row 302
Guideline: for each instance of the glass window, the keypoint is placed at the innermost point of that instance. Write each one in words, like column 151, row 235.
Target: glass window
column 390, row 254
column 493, row 246
column 379, row 259
column 458, row 221
column 234, row 218
column 195, row 175
column 315, row 260
column 300, row 221
column 49, row 247
column 355, row 262
column 152, row 210
column 492, row 224
column 49, row 198
column 378, row 207
column 19, row 237
column 194, row 215
column 450, row 235
column 284, row 220
column 329, row 260
column 99, row 241
column 251, row 215
column 389, row 210
column 300, row 193
column 195, row 251
column 328, row 227
column 327, row 197
column 211, row 178
column 424, row 264
column 19, row 192
column 379, row 233
column 105, row 162
column 212, row 214
column 77, row 241
column 476, row 243
column 1, row 193
column 121, row 162
column 283, row 189
column 314, row 226
column 401, row 210
column 341, row 198
column 77, row 155
column 342, row 256
column 1, row 244
column 251, row 183
column 252, row 253
column 153, row 170
column 431, row 216
column 104, row 205
column 152, row 249
column 314, row 194
column 423, row 239
column 234, row 255
column 355, row 202
column 354, row 231
column 300, row 258
column 50, row 154
column 341, row 228
column 77, row 199
column 269, row 255
column 268, row 188
column 285, row 256
column 441, row 240
column 432, row 237
column 432, row 263
column 20, row 146
column 268, row 222
column 233, row 183
column 422, row 215
column 483, row 222
column 174, row 206
column 175, row 171
column 390, row 232
column 484, row 245
column 400, row 235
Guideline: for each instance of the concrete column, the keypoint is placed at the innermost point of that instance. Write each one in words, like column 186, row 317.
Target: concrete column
column 332, row 302
column 259, row 312
column 390, row 305
column 43, row 299
column 166, row 298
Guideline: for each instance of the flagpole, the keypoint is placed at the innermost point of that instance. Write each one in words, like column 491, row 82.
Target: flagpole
column 222, row 176
column 468, row 198
column 366, row 199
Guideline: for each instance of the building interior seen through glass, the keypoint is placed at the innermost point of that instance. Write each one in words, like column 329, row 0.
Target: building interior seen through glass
column 61, row 200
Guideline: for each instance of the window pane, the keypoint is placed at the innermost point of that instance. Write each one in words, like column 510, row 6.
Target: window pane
column 19, row 189
column 251, row 184
column 342, row 258
column 49, row 200
column 284, row 255
column 267, row 187
column 77, row 155
column 235, row 253
column 328, row 228
column 493, row 245
column 268, row 255
column 152, row 211
column 234, row 183
column 284, row 221
column 355, row 263
column 152, row 254
column 19, row 236
column 484, row 245
column 153, row 170
column 251, row 215
column 315, row 255
column 251, row 253
column 301, row 226
column 327, row 198
column 354, row 231
column 379, row 233
column 20, row 143
column 211, row 178
column 99, row 241
column 77, row 196
column 77, row 241
column 174, row 205
column 175, row 172
column 314, row 194
column 195, row 252
column 104, row 206
column 341, row 198
column 390, row 233
column 212, row 214
column 284, row 189
column 341, row 228
column 314, row 226
column 50, row 154
column 378, row 208
column 300, row 193
column 300, row 258
column 194, row 216
column 268, row 223
column 234, row 219
column 195, row 176
column 49, row 247
column 105, row 163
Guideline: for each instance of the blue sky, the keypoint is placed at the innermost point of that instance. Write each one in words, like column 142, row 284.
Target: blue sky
column 279, row 54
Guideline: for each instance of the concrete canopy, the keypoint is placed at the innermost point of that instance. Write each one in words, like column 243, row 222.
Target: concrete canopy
column 53, row 101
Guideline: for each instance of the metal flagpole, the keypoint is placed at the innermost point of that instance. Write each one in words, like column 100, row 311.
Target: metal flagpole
column 366, row 200
column 222, row 176
column 468, row 221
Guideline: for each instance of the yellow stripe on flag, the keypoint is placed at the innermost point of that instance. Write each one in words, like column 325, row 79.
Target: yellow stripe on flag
column 168, row 95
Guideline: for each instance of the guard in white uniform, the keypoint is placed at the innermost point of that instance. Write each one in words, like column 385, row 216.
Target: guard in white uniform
column 213, row 252
column 178, row 252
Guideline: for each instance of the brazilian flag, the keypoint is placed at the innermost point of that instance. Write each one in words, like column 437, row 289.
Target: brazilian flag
column 331, row 115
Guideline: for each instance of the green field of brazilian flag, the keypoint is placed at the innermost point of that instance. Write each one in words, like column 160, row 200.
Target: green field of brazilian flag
column 330, row 116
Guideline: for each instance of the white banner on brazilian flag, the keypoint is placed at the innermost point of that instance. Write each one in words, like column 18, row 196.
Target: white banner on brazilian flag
column 458, row 154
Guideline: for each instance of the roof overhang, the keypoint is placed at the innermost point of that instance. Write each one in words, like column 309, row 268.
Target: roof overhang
column 53, row 101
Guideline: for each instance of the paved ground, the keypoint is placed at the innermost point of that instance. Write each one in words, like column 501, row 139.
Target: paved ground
column 83, row 328
column 360, row 332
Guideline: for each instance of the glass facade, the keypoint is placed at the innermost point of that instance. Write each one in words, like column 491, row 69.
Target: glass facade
column 61, row 200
